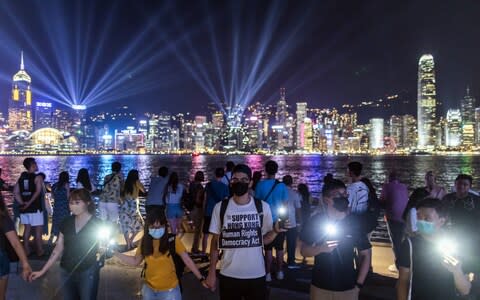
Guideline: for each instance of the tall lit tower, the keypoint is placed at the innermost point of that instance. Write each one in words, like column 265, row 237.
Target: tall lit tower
column 426, row 102
column 301, row 115
column 20, row 104
column 282, row 114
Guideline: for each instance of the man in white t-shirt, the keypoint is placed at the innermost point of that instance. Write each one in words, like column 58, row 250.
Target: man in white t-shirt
column 245, row 228
column 357, row 190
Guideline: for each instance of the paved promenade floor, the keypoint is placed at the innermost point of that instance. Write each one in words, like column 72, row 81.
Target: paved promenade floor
column 123, row 283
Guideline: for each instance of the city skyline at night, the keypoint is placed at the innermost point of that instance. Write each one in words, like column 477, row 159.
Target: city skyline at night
column 237, row 52
column 283, row 127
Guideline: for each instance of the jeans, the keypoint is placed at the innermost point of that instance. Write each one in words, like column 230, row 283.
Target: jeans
column 291, row 245
column 80, row 285
column 249, row 289
column 172, row 294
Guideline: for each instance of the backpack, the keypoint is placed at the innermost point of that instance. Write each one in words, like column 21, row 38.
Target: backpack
column 373, row 211
column 177, row 260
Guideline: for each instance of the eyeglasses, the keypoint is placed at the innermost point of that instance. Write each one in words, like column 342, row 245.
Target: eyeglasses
column 243, row 179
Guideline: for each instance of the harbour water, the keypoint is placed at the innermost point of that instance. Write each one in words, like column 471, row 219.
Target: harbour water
column 309, row 169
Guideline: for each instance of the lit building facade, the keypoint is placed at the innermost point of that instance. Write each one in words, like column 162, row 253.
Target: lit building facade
column 301, row 114
column 426, row 102
column 43, row 115
column 453, row 134
column 376, row 133
column 468, row 119
column 20, row 104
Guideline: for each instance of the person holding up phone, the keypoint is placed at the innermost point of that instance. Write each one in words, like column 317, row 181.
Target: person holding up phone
column 428, row 267
column 332, row 238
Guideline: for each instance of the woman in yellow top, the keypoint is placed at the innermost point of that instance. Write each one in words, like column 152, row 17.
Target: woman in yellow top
column 160, row 275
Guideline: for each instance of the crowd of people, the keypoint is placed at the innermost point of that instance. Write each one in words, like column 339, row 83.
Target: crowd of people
column 240, row 217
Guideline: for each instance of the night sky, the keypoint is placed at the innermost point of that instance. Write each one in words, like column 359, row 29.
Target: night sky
column 324, row 52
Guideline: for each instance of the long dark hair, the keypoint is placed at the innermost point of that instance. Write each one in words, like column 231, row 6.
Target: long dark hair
column 303, row 191
column 84, row 179
column 173, row 182
column 63, row 178
column 157, row 214
column 130, row 182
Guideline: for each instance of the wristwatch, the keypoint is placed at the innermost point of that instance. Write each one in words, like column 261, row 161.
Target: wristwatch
column 359, row 285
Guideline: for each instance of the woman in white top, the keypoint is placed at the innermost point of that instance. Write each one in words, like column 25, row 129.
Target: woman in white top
column 83, row 180
column 172, row 197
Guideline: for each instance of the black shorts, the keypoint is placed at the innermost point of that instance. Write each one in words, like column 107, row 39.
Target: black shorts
column 206, row 224
column 277, row 242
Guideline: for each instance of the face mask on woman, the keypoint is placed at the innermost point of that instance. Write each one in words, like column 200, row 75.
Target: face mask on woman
column 156, row 233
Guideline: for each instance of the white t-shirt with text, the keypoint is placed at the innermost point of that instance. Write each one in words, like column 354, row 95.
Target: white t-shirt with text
column 242, row 248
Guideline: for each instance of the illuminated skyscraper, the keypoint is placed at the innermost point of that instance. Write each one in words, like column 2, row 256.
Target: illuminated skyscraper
column 301, row 115
column 477, row 126
column 282, row 114
column 376, row 133
column 453, row 134
column 468, row 119
column 426, row 102
column 20, row 104
column 43, row 115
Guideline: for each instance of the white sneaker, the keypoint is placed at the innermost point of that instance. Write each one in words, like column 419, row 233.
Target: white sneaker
column 392, row 268
column 268, row 277
column 280, row 275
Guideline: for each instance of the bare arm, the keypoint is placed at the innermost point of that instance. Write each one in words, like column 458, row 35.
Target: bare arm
column 403, row 283
column 13, row 239
column 16, row 193
column 212, row 271
column 191, row 265
column 314, row 250
column 38, row 190
column 56, row 253
column 140, row 186
column 129, row 259
column 365, row 257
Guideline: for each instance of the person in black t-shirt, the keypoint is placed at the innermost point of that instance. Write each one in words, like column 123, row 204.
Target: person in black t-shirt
column 332, row 238
column 77, row 245
column 8, row 237
column 429, row 267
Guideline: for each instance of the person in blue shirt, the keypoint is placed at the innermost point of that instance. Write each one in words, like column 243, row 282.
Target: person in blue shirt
column 215, row 191
column 275, row 194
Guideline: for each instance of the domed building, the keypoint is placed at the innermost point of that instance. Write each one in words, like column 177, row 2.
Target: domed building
column 43, row 140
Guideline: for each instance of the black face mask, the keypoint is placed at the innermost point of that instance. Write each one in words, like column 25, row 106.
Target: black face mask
column 340, row 203
column 239, row 188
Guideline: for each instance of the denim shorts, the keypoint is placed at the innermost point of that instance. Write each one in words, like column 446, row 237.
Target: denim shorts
column 174, row 211
column 4, row 264
column 172, row 294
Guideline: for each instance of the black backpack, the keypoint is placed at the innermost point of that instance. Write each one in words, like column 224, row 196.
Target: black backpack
column 177, row 260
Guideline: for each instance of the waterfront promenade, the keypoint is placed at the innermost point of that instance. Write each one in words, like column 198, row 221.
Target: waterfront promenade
column 120, row 282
